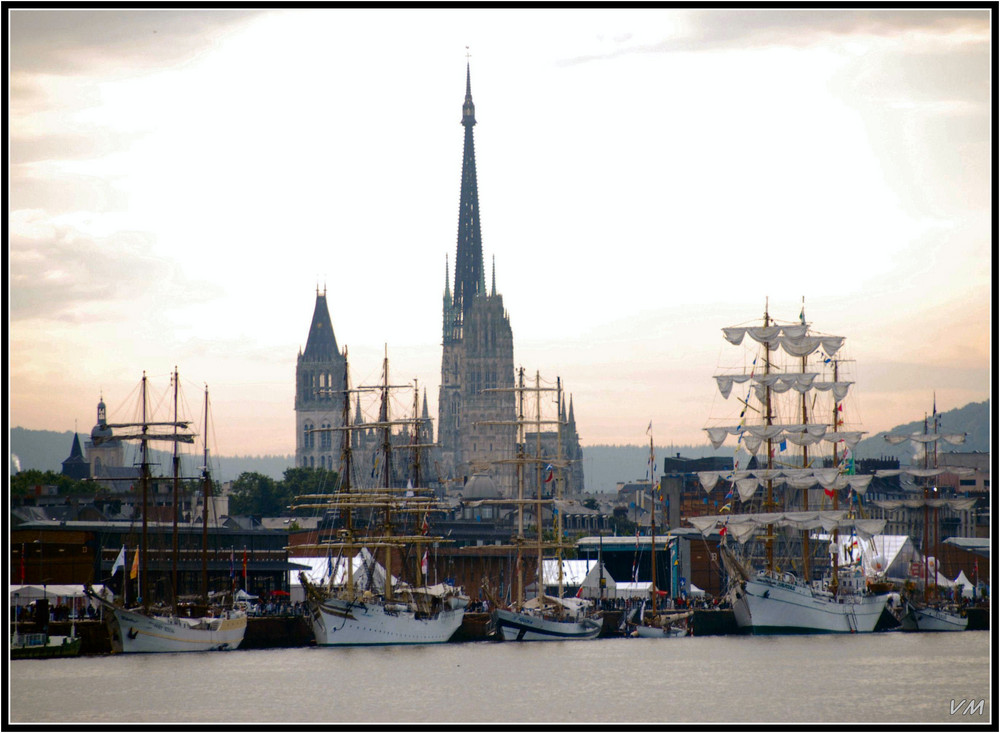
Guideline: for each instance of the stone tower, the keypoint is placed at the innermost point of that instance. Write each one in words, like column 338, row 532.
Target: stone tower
column 478, row 347
column 319, row 379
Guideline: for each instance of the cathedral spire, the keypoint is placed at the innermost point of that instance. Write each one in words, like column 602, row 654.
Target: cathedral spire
column 493, row 291
column 469, row 276
column 321, row 344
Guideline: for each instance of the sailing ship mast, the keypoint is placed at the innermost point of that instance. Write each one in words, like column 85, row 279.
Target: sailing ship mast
column 652, row 520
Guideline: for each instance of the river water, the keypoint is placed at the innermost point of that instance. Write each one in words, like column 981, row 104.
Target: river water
column 868, row 678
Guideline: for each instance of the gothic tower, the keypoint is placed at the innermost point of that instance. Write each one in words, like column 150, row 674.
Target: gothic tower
column 478, row 347
column 319, row 377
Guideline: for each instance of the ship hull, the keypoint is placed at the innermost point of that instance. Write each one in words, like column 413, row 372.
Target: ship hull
column 133, row 632
column 659, row 632
column 337, row 622
column 932, row 619
column 529, row 627
column 768, row 606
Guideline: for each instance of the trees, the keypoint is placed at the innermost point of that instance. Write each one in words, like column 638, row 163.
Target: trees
column 256, row 494
column 24, row 483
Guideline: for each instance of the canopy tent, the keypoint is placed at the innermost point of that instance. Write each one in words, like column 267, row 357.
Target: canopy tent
column 242, row 595
column 591, row 584
column 56, row 594
column 696, row 592
column 965, row 585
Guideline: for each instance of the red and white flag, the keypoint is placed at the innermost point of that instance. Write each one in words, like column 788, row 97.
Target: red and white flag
column 423, row 563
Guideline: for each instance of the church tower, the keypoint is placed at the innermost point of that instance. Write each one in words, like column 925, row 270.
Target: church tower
column 319, row 377
column 478, row 347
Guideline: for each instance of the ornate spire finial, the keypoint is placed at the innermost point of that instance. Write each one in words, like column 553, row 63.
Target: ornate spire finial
column 494, row 291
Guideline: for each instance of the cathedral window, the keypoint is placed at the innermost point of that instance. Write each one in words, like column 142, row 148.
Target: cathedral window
column 326, row 438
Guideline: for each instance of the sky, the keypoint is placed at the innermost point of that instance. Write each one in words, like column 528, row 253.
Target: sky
column 182, row 181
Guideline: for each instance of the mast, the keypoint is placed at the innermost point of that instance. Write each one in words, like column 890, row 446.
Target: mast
column 835, row 581
column 386, row 471
column 345, row 480
column 805, row 464
column 769, row 419
column 520, row 488
column 538, row 477
column 559, row 480
column 652, row 521
column 206, row 488
column 144, row 483
column 176, row 464
column 927, row 590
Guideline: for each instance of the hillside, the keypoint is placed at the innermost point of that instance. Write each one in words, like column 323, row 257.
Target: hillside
column 604, row 465
column 45, row 450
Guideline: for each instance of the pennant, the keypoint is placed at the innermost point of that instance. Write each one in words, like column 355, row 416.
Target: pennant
column 232, row 563
column 425, row 527
column 550, row 470
column 650, row 428
column 119, row 561
column 134, row 572
column 722, row 532
column 423, row 564
column 830, row 492
column 244, row 567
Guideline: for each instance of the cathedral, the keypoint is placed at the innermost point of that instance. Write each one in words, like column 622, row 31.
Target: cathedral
column 475, row 426
column 476, row 402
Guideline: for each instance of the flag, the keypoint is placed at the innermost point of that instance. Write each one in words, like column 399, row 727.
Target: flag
column 722, row 531
column 550, row 470
column 830, row 492
column 232, row 563
column 244, row 567
column 802, row 315
column 329, row 567
column 579, row 592
column 650, row 428
column 119, row 561
column 784, row 445
column 409, row 487
column 425, row 527
column 726, row 507
column 134, row 572
column 423, row 563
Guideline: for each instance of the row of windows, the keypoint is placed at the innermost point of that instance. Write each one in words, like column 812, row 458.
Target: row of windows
column 309, row 438
column 323, row 462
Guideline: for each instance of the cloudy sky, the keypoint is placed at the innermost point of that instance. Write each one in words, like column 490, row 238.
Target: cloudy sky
column 182, row 181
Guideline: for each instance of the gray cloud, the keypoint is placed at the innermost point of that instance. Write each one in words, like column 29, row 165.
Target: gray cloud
column 73, row 42
column 70, row 277
column 712, row 30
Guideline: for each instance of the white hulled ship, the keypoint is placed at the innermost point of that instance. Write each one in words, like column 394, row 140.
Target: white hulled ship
column 793, row 403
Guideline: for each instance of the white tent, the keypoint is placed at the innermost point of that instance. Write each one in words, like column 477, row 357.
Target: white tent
column 963, row 583
column 696, row 592
column 56, row 594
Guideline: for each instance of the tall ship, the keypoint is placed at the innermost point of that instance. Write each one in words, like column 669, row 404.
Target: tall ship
column 544, row 617
column 144, row 628
column 926, row 609
column 361, row 602
column 798, row 482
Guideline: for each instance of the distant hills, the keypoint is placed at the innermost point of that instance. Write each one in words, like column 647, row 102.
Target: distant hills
column 604, row 465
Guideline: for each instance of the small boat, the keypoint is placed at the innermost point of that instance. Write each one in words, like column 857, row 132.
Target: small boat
column 932, row 618
column 654, row 626
column 544, row 617
column 42, row 645
column 140, row 630
column 548, row 618
column 930, row 612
